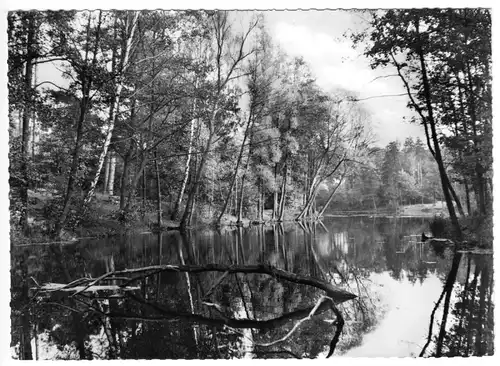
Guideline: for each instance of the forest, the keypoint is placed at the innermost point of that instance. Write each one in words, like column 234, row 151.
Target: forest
column 183, row 118
column 182, row 187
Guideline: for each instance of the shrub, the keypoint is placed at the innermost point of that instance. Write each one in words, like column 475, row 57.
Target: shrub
column 440, row 226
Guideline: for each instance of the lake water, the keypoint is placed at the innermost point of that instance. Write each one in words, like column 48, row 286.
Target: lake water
column 412, row 299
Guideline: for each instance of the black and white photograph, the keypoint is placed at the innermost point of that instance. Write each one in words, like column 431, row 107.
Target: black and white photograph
column 211, row 184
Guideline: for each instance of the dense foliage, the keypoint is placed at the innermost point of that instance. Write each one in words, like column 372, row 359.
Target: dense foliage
column 391, row 178
column 197, row 116
column 443, row 58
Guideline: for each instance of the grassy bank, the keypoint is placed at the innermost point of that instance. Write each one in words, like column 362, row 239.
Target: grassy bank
column 104, row 218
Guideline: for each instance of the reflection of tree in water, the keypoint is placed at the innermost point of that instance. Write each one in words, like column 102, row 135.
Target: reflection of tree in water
column 466, row 329
column 345, row 253
column 191, row 313
column 362, row 312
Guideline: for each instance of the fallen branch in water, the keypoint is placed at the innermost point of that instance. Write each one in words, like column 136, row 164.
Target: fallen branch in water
column 322, row 305
column 52, row 287
column 336, row 293
column 127, row 280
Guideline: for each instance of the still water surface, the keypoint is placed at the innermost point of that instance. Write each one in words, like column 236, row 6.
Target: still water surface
column 398, row 282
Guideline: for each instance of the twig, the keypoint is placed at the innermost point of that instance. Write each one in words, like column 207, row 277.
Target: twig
column 217, row 283
column 54, row 287
column 63, row 287
column 36, row 283
column 62, row 305
column 47, row 243
column 214, row 306
column 311, row 314
column 339, row 324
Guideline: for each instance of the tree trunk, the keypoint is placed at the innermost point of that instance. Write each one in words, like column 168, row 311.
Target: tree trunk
column 483, row 288
column 478, row 169
column 437, row 149
column 479, row 187
column 331, row 197
column 125, row 176
column 112, row 170
column 188, row 212
column 283, row 195
column 260, row 213
column 86, row 84
column 175, row 213
column 275, row 194
column 240, row 203
column 158, row 191
column 25, row 352
column 238, row 162
column 143, row 189
column 314, row 184
column 113, row 111
column 235, row 201
column 450, row 281
column 26, row 118
column 455, row 197
column 467, row 198
column 242, row 191
column 307, row 209
column 275, row 204
column 106, row 174
column 73, row 169
column 133, row 187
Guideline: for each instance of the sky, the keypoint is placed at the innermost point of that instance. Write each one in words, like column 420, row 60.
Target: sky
column 318, row 36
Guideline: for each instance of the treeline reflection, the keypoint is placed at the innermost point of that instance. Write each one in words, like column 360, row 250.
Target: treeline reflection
column 166, row 317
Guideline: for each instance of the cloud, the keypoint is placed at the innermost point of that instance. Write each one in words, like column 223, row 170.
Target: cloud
column 336, row 64
column 333, row 61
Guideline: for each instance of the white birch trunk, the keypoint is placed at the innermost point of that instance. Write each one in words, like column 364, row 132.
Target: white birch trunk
column 113, row 112
column 112, row 169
